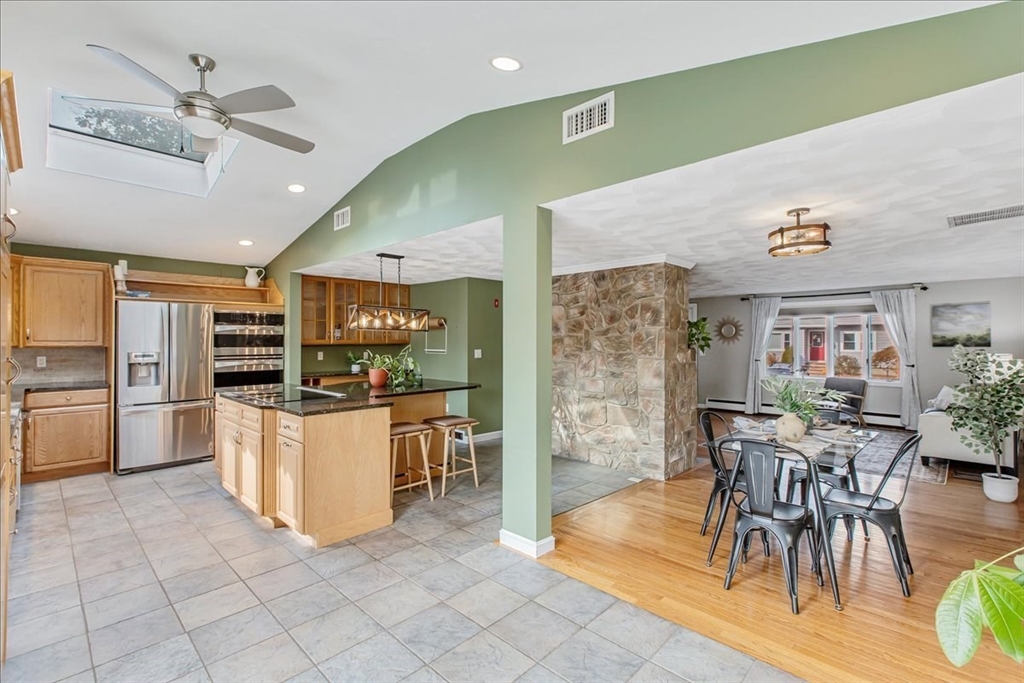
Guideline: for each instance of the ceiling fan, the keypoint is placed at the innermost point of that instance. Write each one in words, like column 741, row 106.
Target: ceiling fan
column 205, row 116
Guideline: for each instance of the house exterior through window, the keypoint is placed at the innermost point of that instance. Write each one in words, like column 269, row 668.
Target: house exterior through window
column 841, row 345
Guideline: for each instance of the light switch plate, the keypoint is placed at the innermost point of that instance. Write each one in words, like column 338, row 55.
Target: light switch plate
column 40, row 361
column 319, row 355
column 478, row 353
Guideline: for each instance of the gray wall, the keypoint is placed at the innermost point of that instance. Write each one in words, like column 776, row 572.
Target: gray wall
column 722, row 371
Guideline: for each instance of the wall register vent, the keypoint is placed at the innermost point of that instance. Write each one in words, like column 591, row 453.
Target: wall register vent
column 343, row 218
column 588, row 118
column 1015, row 211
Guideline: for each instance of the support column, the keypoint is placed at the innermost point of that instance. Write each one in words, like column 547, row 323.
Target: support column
column 526, row 413
column 291, row 288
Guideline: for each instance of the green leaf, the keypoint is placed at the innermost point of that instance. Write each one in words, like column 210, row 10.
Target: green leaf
column 1019, row 562
column 1002, row 604
column 1009, row 573
column 958, row 620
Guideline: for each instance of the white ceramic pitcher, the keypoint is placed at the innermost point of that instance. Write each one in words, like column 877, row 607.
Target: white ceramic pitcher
column 253, row 276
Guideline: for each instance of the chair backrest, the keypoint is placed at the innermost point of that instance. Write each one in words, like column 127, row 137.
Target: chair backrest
column 707, row 420
column 757, row 460
column 907, row 448
column 849, row 385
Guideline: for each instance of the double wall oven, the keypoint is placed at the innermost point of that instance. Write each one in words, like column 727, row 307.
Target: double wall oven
column 248, row 351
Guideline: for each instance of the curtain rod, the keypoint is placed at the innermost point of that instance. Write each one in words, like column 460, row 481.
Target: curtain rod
column 915, row 285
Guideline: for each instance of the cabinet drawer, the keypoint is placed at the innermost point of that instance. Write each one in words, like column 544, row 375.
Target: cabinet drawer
column 57, row 399
column 230, row 410
column 252, row 418
column 289, row 426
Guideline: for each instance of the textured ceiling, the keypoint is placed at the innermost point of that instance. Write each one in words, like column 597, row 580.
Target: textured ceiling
column 885, row 183
column 370, row 78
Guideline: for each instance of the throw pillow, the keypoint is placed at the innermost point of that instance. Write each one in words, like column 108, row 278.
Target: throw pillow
column 943, row 400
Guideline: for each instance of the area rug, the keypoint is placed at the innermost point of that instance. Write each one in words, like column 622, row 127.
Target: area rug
column 876, row 456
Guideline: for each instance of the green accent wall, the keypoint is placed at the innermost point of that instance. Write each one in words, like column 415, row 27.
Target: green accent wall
column 445, row 300
column 485, row 334
column 335, row 357
column 136, row 261
column 509, row 161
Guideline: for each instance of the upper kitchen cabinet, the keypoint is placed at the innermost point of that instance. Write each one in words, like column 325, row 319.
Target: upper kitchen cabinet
column 344, row 293
column 316, row 310
column 63, row 302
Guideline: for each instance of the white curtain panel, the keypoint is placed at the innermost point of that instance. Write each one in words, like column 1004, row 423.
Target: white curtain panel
column 899, row 315
column 763, row 315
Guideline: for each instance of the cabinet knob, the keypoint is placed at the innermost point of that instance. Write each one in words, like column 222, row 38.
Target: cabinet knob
column 67, row 398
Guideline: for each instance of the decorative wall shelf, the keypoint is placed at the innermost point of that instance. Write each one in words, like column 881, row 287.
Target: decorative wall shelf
column 202, row 288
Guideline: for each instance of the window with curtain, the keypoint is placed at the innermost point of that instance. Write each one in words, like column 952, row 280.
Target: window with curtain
column 833, row 345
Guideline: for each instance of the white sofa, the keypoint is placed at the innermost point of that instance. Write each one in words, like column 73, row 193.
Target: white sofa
column 938, row 440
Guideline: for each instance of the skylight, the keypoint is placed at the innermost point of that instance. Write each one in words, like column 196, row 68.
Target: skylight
column 130, row 146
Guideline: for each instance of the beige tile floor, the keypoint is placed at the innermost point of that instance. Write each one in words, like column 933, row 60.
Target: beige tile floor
column 162, row 577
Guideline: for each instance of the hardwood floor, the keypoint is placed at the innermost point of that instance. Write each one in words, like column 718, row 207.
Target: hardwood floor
column 642, row 545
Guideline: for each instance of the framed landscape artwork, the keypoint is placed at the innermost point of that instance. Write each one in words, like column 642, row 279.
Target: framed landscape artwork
column 967, row 324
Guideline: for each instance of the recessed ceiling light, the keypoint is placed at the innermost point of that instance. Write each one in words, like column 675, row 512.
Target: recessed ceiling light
column 506, row 64
column 296, row 188
column 245, row 243
column 14, row 212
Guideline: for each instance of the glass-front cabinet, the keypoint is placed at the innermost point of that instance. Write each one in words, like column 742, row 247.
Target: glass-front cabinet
column 325, row 303
column 316, row 293
column 344, row 293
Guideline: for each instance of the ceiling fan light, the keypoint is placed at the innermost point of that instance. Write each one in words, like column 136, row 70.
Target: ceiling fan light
column 203, row 127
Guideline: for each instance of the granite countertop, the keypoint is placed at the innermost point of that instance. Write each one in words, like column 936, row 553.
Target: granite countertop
column 334, row 373
column 19, row 390
column 353, row 396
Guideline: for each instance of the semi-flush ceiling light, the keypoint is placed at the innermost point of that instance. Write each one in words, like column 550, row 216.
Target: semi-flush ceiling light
column 245, row 243
column 798, row 239
column 385, row 316
column 296, row 188
column 506, row 64
column 14, row 212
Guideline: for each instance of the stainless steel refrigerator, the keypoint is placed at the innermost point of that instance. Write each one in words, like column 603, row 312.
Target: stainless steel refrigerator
column 164, row 383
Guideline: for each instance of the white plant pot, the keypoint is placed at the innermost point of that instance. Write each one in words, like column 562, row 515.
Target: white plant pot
column 356, row 369
column 1001, row 490
column 789, row 428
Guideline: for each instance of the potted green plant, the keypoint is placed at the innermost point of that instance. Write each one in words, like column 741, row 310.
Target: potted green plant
column 989, row 596
column 394, row 370
column 697, row 335
column 354, row 365
column 379, row 368
column 986, row 410
column 798, row 401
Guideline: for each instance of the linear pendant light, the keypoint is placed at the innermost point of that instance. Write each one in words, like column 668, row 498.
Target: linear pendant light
column 383, row 316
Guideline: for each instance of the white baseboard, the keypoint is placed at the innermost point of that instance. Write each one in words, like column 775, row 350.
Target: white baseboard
column 525, row 546
column 487, row 436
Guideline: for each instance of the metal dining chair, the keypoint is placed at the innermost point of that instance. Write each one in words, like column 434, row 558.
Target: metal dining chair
column 762, row 510
column 883, row 512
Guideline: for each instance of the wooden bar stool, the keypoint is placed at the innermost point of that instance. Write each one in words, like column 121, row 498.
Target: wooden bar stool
column 406, row 430
column 448, row 424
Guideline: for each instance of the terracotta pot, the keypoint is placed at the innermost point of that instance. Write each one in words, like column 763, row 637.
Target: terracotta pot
column 378, row 377
column 789, row 428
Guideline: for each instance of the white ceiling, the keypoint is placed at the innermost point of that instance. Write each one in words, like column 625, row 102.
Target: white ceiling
column 885, row 183
column 369, row 78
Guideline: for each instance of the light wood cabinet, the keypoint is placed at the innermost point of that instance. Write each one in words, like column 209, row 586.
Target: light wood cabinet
column 325, row 303
column 228, row 448
column 250, row 469
column 290, row 474
column 63, row 305
column 67, row 437
column 316, row 310
column 344, row 293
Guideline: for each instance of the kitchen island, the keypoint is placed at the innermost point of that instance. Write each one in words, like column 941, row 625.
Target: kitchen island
column 319, row 461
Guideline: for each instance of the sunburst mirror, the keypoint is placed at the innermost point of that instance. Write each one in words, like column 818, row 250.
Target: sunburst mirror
column 728, row 330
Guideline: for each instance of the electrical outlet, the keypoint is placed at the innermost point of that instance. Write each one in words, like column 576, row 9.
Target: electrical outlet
column 478, row 353
column 40, row 361
column 319, row 355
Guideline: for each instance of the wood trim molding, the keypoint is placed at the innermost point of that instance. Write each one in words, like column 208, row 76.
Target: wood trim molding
column 9, row 122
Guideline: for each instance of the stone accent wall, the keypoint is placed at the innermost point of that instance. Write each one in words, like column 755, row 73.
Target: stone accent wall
column 624, row 381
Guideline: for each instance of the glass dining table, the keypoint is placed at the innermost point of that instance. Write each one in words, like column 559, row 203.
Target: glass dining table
column 834, row 449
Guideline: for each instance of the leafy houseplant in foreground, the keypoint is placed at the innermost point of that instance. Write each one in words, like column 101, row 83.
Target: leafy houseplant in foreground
column 987, row 409
column 989, row 595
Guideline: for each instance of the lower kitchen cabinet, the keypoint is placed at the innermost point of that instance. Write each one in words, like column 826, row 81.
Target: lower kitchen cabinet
column 229, row 436
column 58, row 438
column 250, row 469
column 290, row 474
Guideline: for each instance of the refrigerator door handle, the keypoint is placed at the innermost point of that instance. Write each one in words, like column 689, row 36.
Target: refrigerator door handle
column 154, row 407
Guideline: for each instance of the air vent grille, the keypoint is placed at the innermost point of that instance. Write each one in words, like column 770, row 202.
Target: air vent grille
column 343, row 218
column 588, row 118
column 1015, row 211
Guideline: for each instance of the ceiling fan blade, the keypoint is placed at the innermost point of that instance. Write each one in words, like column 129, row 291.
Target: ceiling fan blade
column 263, row 98
column 158, row 109
column 274, row 137
column 138, row 71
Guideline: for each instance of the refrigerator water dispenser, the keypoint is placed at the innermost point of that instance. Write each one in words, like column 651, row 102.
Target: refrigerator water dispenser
column 143, row 369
